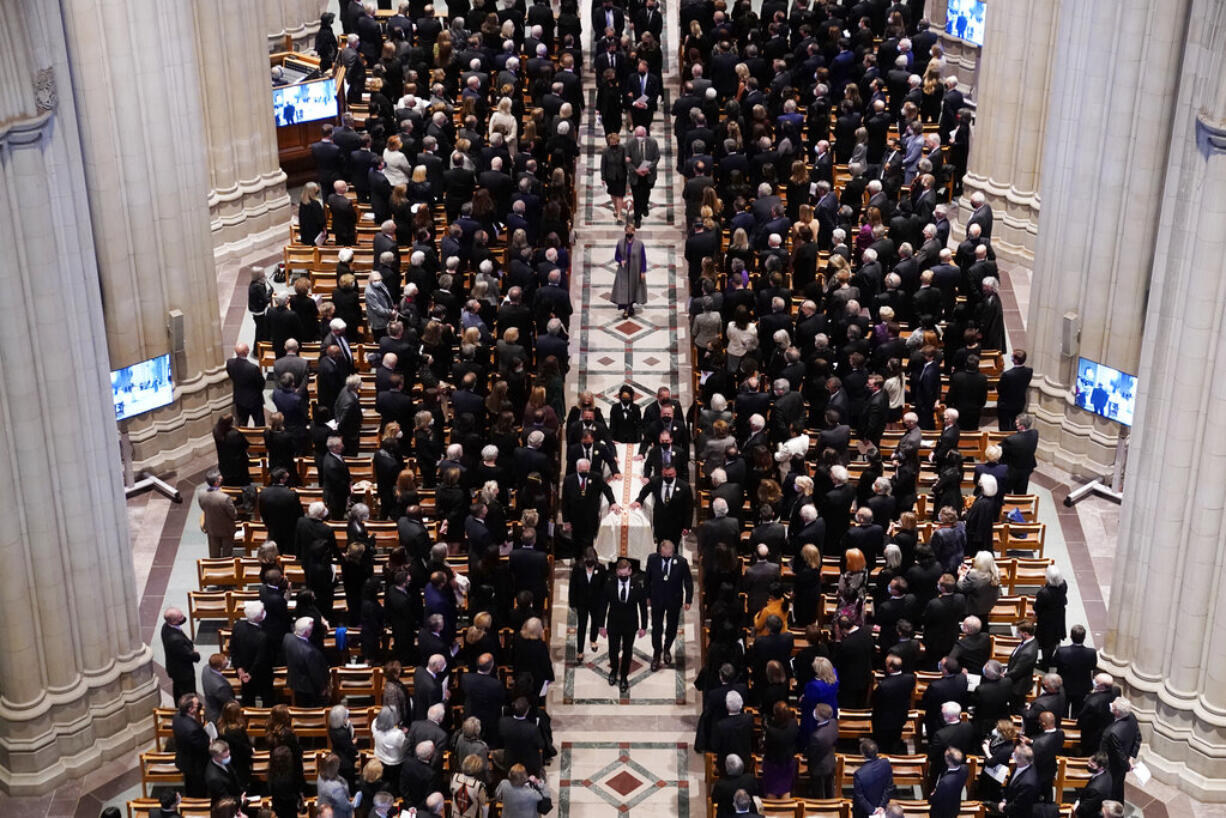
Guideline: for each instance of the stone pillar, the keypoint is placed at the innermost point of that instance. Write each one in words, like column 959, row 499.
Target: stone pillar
column 1007, row 144
column 76, row 682
column 146, row 180
column 296, row 19
column 248, row 203
column 1108, row 130
column 1167, row 633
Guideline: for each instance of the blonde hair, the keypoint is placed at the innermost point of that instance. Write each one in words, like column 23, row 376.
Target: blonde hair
column 811, row 556
column 310, row 193
column 822, row 669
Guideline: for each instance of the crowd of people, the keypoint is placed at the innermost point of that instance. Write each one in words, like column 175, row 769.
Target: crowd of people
column 820, row 144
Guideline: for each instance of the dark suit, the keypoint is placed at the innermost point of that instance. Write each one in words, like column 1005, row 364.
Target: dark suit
column 344, row 220
column 585, row 595
column 334, row 478
column 1121, row 742
column 249, row 652
column 991, row 700
column 669, row 518
column 248, row 382
column 732, row 735
column 484, row 697
column 973, row 652
column 427, row 687
column 581, row 506
column 1076, row 665
column 1017, row 452
column 945, row 689
column 529, row 568
column 853, row 659
column 191, row 753
column 221, row 782
column 625, row 424
column 522, row 742
column 946, row 798
column 1011, row 395
column 872, row 786
column 820, row 753
column 622, row 618
column 307, row 671
column 181, row 657
column 891, row 705
column 1022, row 793
column 1090, row 799
column 668, row 587
column 1020, row 671
column 280, row 509
column 1046, row 747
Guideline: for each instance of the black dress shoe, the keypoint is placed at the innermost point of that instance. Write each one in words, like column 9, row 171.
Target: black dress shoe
column 668, row 658
column 655, row 663
column 625, row 688
column 612, row 679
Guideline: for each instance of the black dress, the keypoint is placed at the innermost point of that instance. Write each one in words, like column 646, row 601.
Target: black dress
column 310, row 221
column 532, row 656
column 349, row 309
column 613, row 170
column 232, row 459
column 282, row 448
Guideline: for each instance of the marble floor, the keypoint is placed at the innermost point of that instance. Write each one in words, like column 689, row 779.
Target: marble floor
column 631, row 755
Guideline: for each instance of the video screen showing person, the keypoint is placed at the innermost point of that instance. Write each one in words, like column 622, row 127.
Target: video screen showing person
column 142, row 387
column 1105, row 391
column 964, row 19
column 306, row 102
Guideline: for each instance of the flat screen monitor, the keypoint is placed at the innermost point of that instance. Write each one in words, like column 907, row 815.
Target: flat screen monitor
column 304, row 102
column 964, row 19
column 142, row 387
column 1105, row 391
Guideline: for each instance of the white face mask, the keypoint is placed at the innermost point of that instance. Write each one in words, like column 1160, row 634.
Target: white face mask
column 224, row 761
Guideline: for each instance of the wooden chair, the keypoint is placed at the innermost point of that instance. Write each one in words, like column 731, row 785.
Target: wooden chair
column 359, row 682
column 782, row 807
column 823, row 807
column 158, row 768
column 163, row 727
column 1072, row 773
column 1008, row 610
column 1028, row 573
column 218, row 573
column 969, row 809
column 207, row 605
column 1027, row 504
column 1028, row 536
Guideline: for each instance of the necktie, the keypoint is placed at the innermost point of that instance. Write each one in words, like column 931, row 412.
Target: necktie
column 625, row 592
column 582, row 485
column 643, row 83
column 668, row 456
column 668, row 568
column 668, row 492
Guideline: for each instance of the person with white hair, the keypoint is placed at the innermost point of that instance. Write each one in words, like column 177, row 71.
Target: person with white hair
column 335, row 480
column 974, row 647
column 732, row 734
column 307, row 669
column 991, row 315
column 251, row 656
column 981, row 215
column 982, row 515
column 1094, row 714
column 952, row 732
column 1050, row 602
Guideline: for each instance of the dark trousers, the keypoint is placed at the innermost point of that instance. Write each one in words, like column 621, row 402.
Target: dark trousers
column 183, row 684
column 261, row 687
column 1074, row 706
column 641, row 116
column 822, row 786
column 254, row 413
column 585, row 633
column 261, row 326
column 305, row 699
column 926, row 420
column 193, row 784
column 1019, row 482
column 1006, row 420
column 621, row 648
column 378, row 334
column 641, row 189
column 664, row 623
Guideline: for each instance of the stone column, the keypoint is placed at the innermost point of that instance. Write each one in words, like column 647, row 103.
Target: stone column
column 1007, row 144
column 296, row 19
column 1104, row 163
column 248, row 203
column 146, row 179
column 76, row 682
column 1167, row 634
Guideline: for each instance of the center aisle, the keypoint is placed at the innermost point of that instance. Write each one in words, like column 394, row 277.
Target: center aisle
column 618, row 757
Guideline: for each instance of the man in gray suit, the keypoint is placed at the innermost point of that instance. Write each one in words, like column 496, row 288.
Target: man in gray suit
column 758, row 578
column 217, row 689
column 379, row 306
column 294, row 364
column 307, row 669
column 643, row 155
column 219, row 517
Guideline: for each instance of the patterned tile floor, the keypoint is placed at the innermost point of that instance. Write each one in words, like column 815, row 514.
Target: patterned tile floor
column 632, row 755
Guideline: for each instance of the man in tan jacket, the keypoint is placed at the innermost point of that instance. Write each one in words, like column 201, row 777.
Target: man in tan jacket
column 219, row 517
